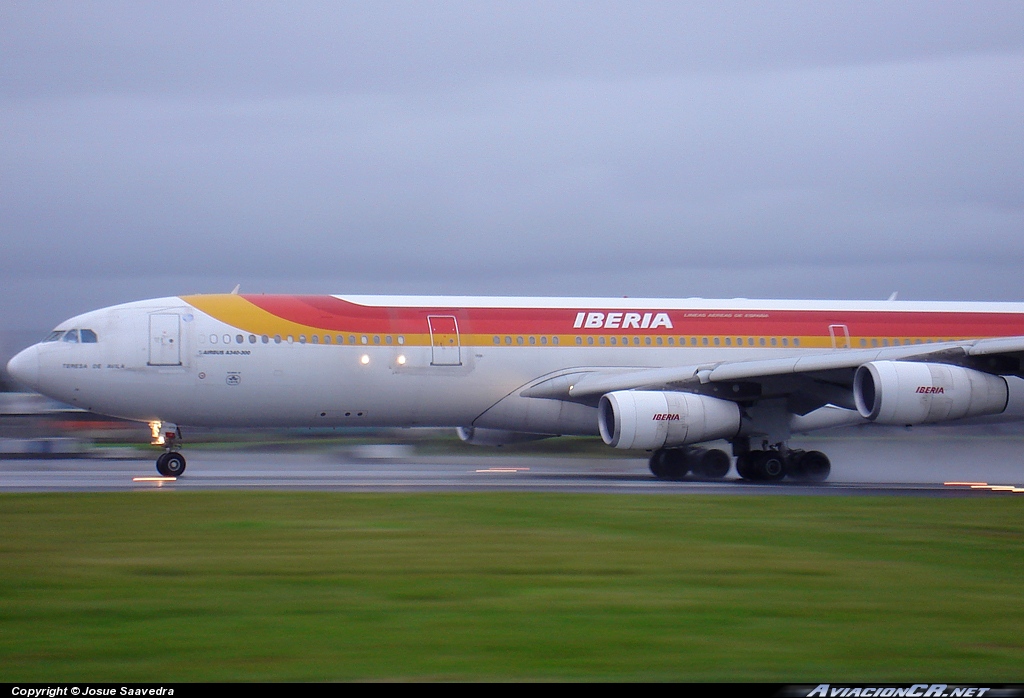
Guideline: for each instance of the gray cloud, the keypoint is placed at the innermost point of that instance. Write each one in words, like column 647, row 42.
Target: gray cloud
column 795, row 149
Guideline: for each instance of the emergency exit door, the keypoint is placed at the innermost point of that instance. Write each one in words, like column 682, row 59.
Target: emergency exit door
column 164, row 339
column 840, row 336
column 444, row 341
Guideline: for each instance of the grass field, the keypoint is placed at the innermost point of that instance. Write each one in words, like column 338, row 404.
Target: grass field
column 174, row 586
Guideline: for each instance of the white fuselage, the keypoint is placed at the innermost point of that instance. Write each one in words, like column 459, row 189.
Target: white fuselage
column 225, row 361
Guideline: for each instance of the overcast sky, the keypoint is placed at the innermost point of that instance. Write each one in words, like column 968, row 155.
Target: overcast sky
column 776, row 149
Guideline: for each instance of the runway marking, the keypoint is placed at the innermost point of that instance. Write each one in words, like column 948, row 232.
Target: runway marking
column 986, row 486
column 501, row 470
column 154, row 478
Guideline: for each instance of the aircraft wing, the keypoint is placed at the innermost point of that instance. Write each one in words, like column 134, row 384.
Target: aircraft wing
column 816, row 379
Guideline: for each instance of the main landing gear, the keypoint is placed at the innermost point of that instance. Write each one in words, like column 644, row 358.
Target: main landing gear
column 170, row 463
column 676, row 463
column 770, row 464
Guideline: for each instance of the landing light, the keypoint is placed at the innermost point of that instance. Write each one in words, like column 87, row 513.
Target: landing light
column 401, row 360
column 364, row 359
column 155, row 429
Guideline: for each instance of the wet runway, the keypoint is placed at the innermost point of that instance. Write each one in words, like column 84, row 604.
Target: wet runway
column 874, row 466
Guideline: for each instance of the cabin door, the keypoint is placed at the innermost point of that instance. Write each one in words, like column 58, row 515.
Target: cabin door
column 445, row 349
column 165, row 339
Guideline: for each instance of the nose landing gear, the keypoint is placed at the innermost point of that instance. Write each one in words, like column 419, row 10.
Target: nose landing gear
column 170, row 463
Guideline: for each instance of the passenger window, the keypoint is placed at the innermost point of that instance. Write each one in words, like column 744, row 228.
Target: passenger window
column 554, row 340
column 600, row 340
column 376, row 339
column 351, row 339
column 88, row 337
column 214, row 339
column 302, row 339
column 277, row 339
column 579, row 341
column 266, row 339
column 340, row 339
column 227, row 339
column 252, row 339
column 543, row 340
column 315, row 339
column 508, row 340
column 71, row 336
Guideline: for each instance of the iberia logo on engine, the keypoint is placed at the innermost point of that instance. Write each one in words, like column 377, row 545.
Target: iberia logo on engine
column 931, row 390
column 666, row 417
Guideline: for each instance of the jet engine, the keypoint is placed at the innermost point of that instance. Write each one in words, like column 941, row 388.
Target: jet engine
column 649, row 419
column 907, row 392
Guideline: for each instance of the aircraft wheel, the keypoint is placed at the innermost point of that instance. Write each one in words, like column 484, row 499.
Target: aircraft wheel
column 769, row 465
column 814, row 467
column 669, row 464
column 795, row 464
column 713, row 464
column 170, row 464
column 657, row 464
column 745, row 466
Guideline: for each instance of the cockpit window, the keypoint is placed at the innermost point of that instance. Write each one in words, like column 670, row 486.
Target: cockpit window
column 54, row 336
column 88, row 336
column 71, row 336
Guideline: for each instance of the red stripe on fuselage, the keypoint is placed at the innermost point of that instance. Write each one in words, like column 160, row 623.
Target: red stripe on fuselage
column 335, row 314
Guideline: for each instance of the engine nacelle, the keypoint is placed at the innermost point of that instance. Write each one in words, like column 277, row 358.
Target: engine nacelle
column 648, row 419
column 496, row 437
column 907, row 392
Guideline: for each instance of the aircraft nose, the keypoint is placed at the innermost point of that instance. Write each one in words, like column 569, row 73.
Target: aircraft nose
column 24, row 367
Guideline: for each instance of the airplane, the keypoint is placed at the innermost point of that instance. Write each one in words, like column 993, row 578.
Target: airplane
column 662, row 376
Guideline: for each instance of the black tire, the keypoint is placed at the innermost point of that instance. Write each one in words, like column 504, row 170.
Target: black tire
column 171, row 464
column 769, row 465
column 669, row 464
column 712, row 464
column 745, row 466
column 795, row 464
column 815, row 467
column 657, row 464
